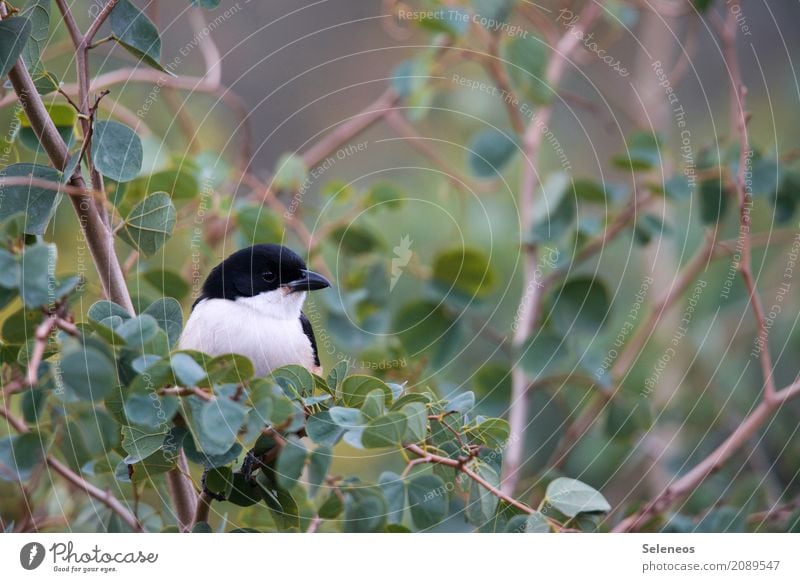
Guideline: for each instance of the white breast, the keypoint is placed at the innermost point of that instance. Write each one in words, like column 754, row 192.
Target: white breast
column 265, row 328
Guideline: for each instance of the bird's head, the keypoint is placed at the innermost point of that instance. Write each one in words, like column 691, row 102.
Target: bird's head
column 268, row 277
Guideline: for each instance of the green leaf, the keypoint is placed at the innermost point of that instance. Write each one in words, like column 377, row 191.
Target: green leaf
column 140, row 444
column 103, row 309
column 169, row 317
column 355, row 240
column 464, row 272
column 37, row 13
column 88, row 373
column 37, row 262
column 482, row 504
column 492, row 432
column 180, row 184
column 346, row 417
column 10, row 274
column 336, row 375
column 581, row 305
column 356, row 387
column 167, row 283
column 453, row 21
column 219, row 480
column 542, row 353
column 384, row 195
column 14, row 34
column 786, row 197
column 136, row 33
column 493, row 11
column 219, row 423
column 296, row 381
column 137, row 331
column 290, row 172
column 427, row 501
column 421, row 324
column 150, row 224
column 702, row 5
column 19, row 456
column 319, row 463
column 643, row 152
column 291, row 461
column 537, row 523
column 116, row 151
column 227, row 369
column 394, row 491
column 589, row 190
column 526, row 60
column 571, row 497
column 258, row 224
column 37, row 203
column 416, row 414
column 150, row 410
column 282, row 505
column 63, row 116
column 373, row 405
column 365, row 511
column 45, row 83
column 384, row 431
column 489, row 151
column 713, row 201
column 187, row 370
column 322, row 429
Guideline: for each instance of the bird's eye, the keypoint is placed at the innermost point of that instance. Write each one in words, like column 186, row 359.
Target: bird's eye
column 268, row 276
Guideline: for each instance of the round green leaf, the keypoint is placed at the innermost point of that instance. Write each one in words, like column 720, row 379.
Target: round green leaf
column 464, row 272
column 427, row 501
column 150, row 224
column 38, row 204
column 136, row 33
column 384, row 431
column 88, row 373
column 526, row 61
column 580, row 305
column 489, row 152
column 14, row 34
column 116, row 151
column 571, row 497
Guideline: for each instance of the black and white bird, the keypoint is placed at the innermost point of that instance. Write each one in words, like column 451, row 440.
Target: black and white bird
column 252, row 304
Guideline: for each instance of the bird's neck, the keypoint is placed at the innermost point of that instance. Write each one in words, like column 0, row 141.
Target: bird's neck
column 276, row 304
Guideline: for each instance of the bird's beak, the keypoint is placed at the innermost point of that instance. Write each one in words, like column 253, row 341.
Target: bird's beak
column 310, row 281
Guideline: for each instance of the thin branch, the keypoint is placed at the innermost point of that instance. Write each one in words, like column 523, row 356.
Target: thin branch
column 460, row 465
column 203, row 508
column 347, row 130
column 738, row 93
column 689, row 482
column 98, row 237
column 530, row 301
column 104, row 497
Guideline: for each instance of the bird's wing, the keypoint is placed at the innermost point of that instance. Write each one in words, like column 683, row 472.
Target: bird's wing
column 309, row 331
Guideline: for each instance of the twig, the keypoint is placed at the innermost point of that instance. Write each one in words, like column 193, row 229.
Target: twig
column 530, row 301
column 713, row 462
column 771, row 400
column 98, row 237
column 460, row 465
column 350, row 128
column 104, row 497
column 727, row 33
column 203, row 508
column 192, row 391
column 41, row 337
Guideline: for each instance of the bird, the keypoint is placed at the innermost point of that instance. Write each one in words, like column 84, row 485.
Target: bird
column 252, row 304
